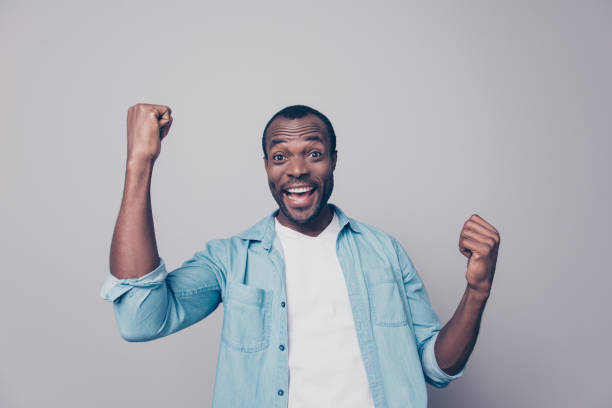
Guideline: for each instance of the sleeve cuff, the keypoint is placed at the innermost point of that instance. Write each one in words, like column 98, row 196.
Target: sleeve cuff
column 113, row 288
column 433, row 373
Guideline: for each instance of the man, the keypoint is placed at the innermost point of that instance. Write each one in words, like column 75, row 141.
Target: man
column 320, row 310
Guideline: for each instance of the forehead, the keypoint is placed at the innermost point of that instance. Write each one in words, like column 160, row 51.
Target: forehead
column 296, row 129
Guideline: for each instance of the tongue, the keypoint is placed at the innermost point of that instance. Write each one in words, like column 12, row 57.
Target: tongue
column 300, row 198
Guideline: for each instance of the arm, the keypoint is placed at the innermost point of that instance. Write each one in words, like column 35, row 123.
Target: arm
column 457, row 338
column 424, row 320
column 148, row 301
column 479, row 242
column 161, row 303
column 133, row 250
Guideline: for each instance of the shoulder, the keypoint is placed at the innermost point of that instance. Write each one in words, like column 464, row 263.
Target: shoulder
column 384, row 243
column 223, row 247
column 374, row 234
column 220, row 251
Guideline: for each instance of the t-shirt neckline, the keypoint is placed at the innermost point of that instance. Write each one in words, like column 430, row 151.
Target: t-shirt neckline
column 331, row 229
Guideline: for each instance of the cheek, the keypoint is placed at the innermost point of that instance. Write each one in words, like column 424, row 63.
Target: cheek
column 325, row 173
column 273, row 182
column 273, row 176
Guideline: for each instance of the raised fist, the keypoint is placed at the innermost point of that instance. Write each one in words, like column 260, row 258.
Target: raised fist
column 147, row 125
column 479, row 243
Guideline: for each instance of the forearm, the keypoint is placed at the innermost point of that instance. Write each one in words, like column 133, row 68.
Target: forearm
column 457, row 338
column 133, row 250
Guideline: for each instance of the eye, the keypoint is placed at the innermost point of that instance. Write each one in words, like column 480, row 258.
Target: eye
column 278, row 157
column 315, row 154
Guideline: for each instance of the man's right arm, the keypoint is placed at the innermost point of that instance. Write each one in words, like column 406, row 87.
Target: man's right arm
column 148, row 301
column 133, row 250
column 161, row 303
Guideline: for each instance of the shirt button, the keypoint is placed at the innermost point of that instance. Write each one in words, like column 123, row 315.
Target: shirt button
column 280, row 393
column 281, row 347
column 282, row 304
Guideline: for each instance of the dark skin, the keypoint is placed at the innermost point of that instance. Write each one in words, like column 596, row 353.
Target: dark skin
column 304, row 160
column 479, row 242
column 299, row 155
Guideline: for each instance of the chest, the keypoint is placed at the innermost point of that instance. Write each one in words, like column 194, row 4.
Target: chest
column 268, row 287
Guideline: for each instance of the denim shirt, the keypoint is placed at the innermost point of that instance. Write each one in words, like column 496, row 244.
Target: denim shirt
column 396, row 326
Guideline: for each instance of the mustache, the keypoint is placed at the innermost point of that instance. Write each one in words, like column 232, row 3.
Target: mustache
column 301, row 183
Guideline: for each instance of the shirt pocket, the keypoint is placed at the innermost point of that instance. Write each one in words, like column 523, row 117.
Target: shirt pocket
column 246, row 318
column 388, row 306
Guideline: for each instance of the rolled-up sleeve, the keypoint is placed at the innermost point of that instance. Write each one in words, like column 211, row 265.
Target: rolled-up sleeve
column 113, row 288
column 161, row 302
column 434, row 375
column 425, row 322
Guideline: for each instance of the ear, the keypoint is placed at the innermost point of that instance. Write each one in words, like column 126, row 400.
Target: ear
column 265, row 162
column 334, row 157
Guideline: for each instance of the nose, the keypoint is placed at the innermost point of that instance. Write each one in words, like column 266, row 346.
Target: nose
column 297, row 167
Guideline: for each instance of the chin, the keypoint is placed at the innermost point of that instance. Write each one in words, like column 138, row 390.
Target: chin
column 301, row 217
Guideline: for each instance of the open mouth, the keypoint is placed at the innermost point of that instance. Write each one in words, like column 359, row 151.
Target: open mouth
column 299, row 196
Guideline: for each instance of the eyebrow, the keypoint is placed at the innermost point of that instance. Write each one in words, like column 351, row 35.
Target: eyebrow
column 307, row 138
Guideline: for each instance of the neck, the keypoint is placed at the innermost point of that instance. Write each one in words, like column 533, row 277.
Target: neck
column 313, row 227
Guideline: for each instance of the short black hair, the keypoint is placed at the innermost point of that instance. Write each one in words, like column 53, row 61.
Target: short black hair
column 297, row 112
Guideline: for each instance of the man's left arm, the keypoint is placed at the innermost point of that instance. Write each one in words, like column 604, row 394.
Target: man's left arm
column 479, row 242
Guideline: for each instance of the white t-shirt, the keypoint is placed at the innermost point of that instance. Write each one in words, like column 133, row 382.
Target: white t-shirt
column 325, row 364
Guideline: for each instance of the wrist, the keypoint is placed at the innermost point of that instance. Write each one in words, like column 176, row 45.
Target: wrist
column 138, row 173
column 478, row 295
column 139, row 163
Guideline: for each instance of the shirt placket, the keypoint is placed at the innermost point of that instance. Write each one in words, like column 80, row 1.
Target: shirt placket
column 281, row 350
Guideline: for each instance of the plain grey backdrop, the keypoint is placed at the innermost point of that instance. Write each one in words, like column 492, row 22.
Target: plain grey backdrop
column 441, row 110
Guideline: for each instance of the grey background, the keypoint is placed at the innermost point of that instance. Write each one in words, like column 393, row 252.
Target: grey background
column 498, row 108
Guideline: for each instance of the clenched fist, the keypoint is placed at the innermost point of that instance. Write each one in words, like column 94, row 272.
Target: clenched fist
column 147, row 125
column 479, row 242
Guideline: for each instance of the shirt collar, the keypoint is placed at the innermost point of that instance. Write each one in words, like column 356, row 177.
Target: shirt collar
column 264, row 229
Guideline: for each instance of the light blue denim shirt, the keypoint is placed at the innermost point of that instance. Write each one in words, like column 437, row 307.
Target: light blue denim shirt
column 396, row 326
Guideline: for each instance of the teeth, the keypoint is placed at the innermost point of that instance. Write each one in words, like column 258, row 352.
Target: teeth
column 299, row 190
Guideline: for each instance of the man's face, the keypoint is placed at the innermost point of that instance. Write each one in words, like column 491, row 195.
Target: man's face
column 300, row 167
